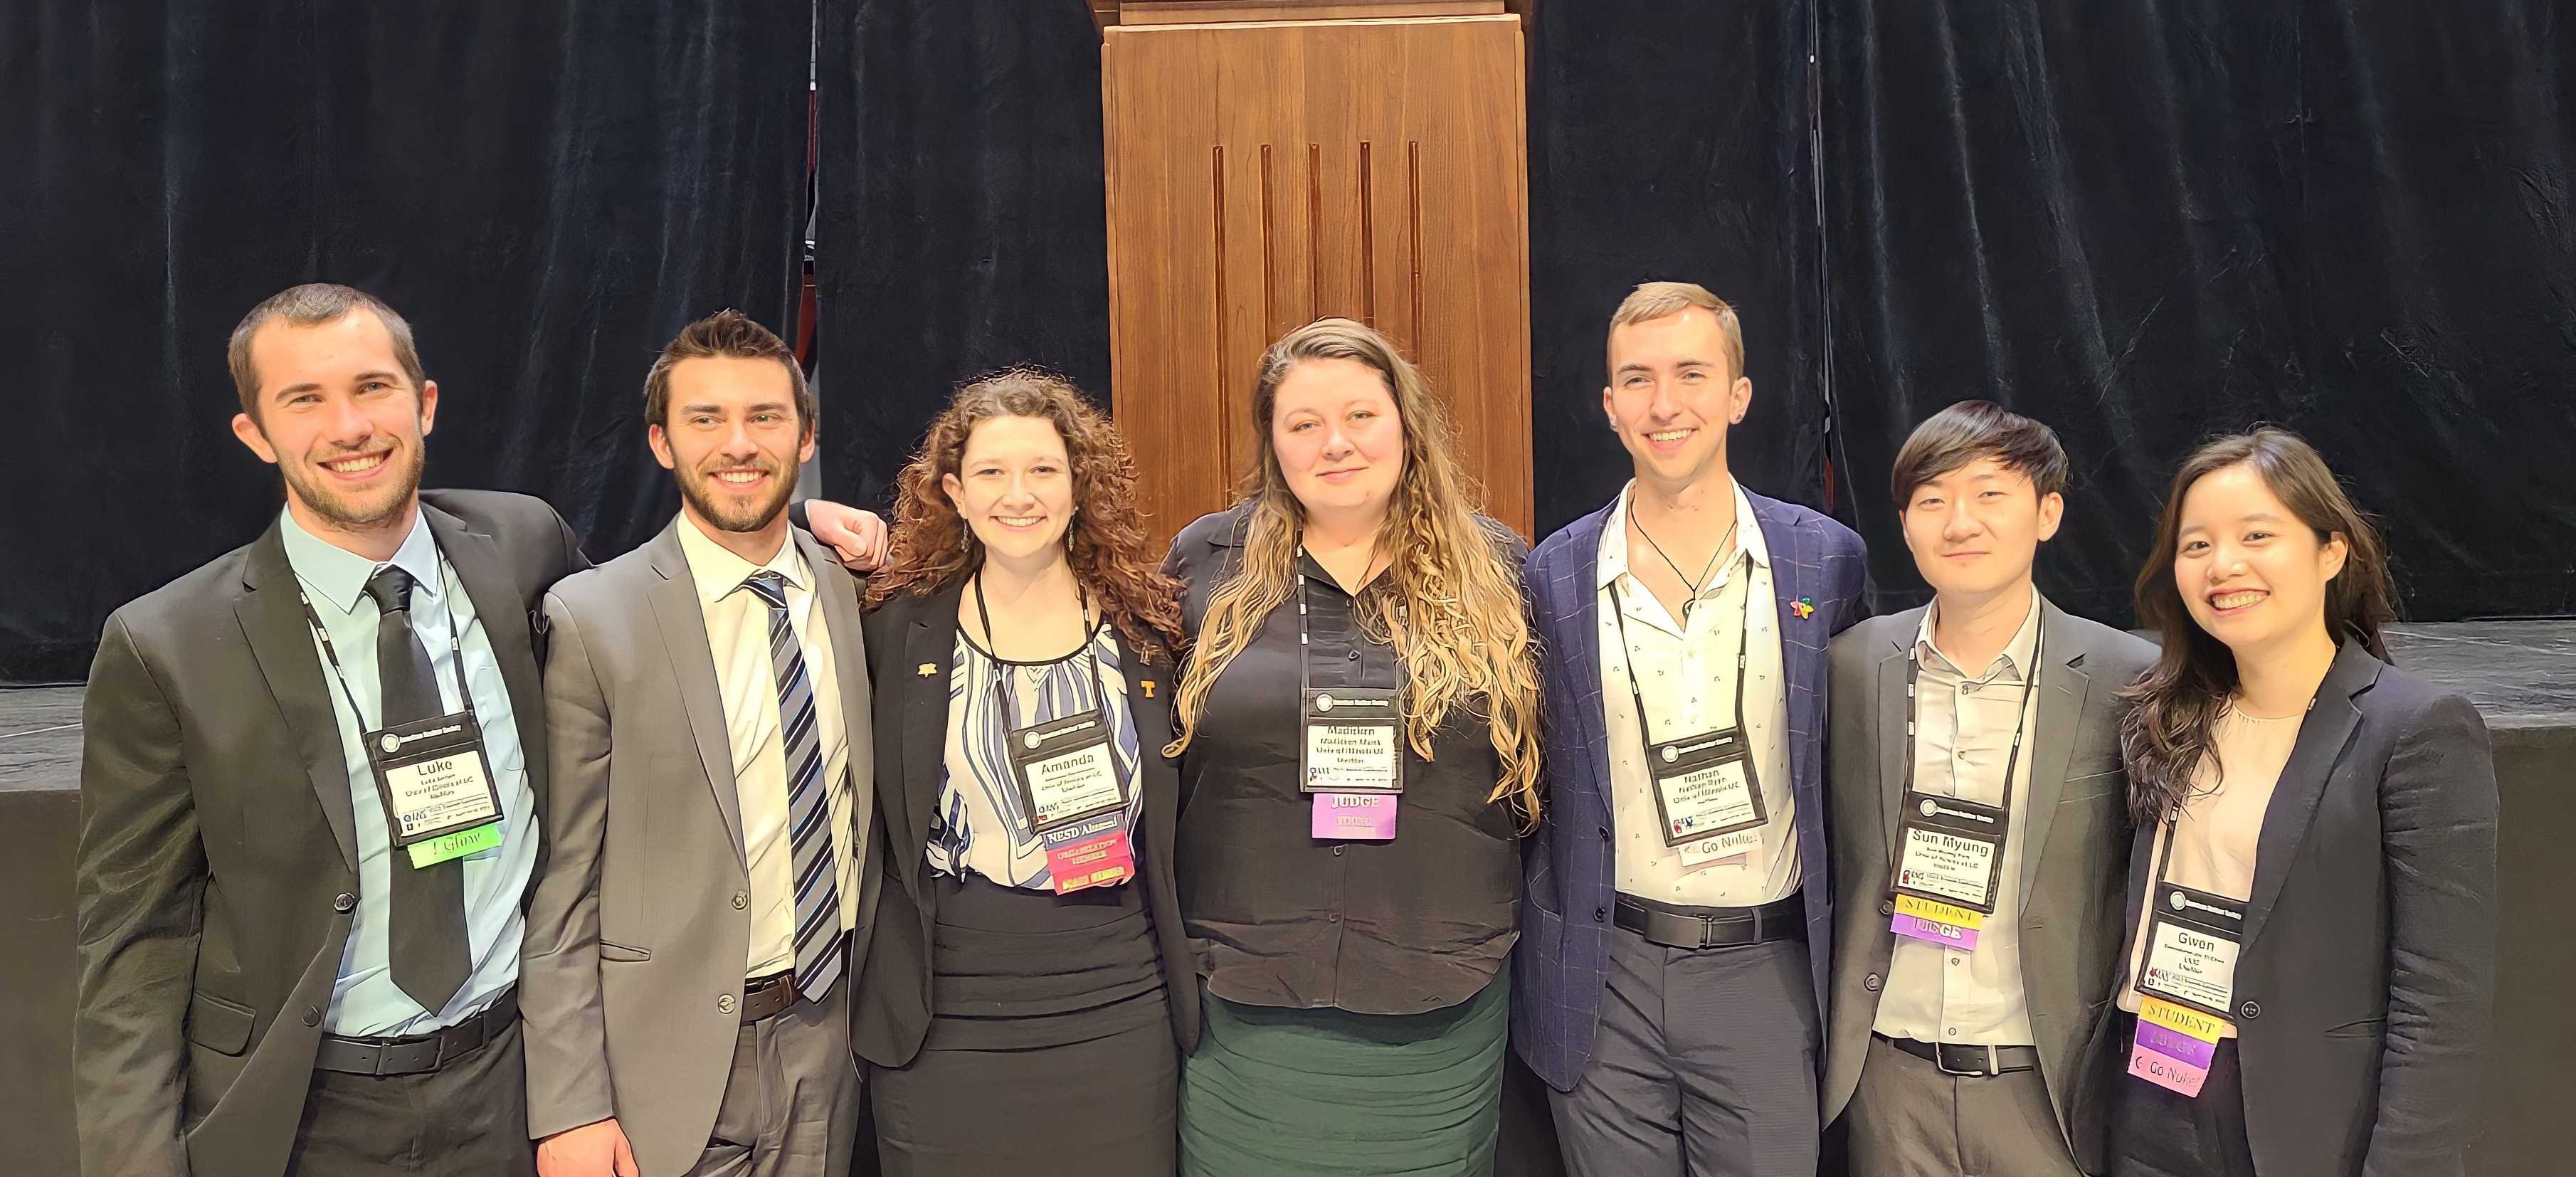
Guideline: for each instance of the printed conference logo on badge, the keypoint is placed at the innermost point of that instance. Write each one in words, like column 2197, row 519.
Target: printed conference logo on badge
column 391, row 742
column 1323, row 702
column 1930, row 807
column 2179, row 903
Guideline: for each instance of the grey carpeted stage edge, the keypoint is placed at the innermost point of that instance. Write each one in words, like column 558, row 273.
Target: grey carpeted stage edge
column 2522, row 674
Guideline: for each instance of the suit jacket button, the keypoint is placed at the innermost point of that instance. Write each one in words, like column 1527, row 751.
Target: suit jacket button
column 724, row 1003
column 1599, row 914
column 1887, row 907
column 344, row 903
column 2252, row 1010
column 1870, row 982
column 312, row 1015
column 741, row 900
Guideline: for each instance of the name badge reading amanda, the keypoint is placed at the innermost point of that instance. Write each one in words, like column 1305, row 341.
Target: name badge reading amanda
column 1353, row 741
column 437, row 789
column 1705, row 787
column 2193, row 938
column 1076, row 800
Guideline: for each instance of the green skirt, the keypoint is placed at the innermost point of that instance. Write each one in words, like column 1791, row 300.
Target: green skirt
column 1315, row 1091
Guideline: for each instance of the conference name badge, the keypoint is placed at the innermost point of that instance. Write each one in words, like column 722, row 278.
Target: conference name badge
column 1352, row 741
column 436, row 786
column 1949, row 864
column 1704, row 787
column 1076, row 799
column 2186, row 986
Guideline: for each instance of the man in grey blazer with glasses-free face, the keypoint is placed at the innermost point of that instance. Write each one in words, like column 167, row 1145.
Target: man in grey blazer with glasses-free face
column 705, row 905
column 1980, row 829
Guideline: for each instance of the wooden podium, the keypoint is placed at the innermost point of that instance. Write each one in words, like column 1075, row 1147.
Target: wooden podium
column 1271, row 162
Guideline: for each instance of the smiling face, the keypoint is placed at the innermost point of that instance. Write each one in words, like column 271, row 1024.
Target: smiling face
column 1975, row 530
column 2249, row 571
column 733, row 441
column 1014, row 486
column 1672, row 395
column 339, row 419
column 1339, row 439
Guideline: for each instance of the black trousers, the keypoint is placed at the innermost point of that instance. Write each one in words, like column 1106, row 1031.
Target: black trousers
column 2160, row 1133
column 467, row 1119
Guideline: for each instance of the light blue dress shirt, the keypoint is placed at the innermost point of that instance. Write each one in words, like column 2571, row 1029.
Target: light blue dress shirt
column 365, row 1001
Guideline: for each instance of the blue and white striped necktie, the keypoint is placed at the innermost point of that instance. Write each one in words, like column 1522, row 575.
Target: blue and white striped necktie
column 818, row 901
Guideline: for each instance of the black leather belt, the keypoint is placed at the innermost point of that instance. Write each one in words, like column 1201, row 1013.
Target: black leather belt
column 418, row 1054
column 1675, row 926
column 764, row 997
column 1972, row 1061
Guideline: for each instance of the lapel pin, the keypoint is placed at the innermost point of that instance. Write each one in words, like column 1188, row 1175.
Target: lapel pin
column 1149, row 688
column 928, row 670
column 1804, row 608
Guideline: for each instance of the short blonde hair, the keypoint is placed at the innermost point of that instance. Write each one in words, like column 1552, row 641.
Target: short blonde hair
column 1656, row 300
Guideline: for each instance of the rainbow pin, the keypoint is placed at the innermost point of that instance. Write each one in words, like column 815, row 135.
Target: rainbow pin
column 1804, row 608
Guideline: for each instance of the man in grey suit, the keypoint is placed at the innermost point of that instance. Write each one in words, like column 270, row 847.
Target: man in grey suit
column 1980, row 829
column 706, row 901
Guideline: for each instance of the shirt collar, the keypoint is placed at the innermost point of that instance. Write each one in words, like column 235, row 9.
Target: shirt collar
column 1612, row 561
column 2016, row 655
column 718, row 572
column 339, row 576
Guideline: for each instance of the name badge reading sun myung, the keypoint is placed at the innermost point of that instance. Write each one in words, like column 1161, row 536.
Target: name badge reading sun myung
column 1353, row 741
column 437, row 789
column 1951, row 850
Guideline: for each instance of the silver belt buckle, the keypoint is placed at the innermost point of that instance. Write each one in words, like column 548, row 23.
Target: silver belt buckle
column 1985, row 1056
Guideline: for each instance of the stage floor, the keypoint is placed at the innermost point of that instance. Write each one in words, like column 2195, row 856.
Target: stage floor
column 2521, row 675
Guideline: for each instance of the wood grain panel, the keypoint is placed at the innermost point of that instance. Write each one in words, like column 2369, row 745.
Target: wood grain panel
column 1264, row 175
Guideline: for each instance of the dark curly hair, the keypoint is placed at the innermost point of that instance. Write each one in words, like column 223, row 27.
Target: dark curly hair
column 933, row 545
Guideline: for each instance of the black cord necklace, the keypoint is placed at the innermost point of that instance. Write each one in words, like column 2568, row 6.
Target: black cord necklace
column 1723, row 542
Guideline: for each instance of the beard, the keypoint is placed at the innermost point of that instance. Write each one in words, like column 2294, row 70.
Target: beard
column 363, row 507
column 729, row 511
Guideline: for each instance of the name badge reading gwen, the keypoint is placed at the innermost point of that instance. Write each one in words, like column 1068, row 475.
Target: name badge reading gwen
column 437, row 789
column 1704, row 787
column 2187, row 985
column 1353, row 741
column 1076, row 800
column 1950, row 852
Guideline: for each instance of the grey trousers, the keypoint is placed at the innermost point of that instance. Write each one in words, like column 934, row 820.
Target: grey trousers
column 791, row 1106
column 1704, row 1066
column 467, row 1119
column 1910, row 1120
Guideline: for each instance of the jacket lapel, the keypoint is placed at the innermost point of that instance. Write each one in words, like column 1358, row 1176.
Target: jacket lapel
column 497, row 604
column 1149, row 708
column 929, row 641
column 1790, row 565
column 1579, row 603
column 271, row 614
column 837, row 592
column 1895, row 743
column 2331, row 721
column 693, row 663
column 2062, row 686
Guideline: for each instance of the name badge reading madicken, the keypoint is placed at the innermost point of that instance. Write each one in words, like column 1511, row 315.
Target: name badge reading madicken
column 1353, row 742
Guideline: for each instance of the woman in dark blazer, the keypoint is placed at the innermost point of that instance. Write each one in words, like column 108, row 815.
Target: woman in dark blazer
column 1028, row 992
column 2315, row 863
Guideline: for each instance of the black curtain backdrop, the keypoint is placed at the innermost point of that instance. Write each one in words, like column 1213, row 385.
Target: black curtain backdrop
column 547, row 191
column 2145, row 221
column 962, row 222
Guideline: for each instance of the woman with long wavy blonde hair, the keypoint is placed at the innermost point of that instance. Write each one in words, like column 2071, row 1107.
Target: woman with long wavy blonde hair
column 1027, row 951
column 1351, row 889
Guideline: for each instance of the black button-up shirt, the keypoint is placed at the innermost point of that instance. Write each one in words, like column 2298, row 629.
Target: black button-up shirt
column 1280, row 918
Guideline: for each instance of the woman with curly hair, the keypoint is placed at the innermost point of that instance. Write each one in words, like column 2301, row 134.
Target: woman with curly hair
column 1028, row 984
column 1359, row 746
column 2315, row 859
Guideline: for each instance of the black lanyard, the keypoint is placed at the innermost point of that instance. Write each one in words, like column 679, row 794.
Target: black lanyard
column 1628, row 664
column 2021, row 718
column 1090, row 648
column 455, row 651
column 1305, row 679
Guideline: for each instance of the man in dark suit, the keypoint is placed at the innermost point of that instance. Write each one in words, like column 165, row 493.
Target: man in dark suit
column 312, row 784
column 1980, row 828
column 1676, row 931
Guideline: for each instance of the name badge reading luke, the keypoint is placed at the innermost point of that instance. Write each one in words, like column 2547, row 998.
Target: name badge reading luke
column 437, row 789
column 1950, row 860
column 1076, row 800
column 1704, row 787
column 1353, row 741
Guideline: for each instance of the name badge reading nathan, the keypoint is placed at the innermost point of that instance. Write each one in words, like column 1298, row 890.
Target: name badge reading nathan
column 2186, row 986
column 1076, row 800
column 1704, row 787
column 1950, row 860
column 437, row 789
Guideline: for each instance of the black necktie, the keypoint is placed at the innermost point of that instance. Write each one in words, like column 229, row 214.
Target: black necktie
column 428, row 935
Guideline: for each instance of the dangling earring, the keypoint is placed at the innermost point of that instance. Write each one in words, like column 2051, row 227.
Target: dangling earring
column 1070, row 518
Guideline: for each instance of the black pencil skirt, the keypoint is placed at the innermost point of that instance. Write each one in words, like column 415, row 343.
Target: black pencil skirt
column 1050, row 1049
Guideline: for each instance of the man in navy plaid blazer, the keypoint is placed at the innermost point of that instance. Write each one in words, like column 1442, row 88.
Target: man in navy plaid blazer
column 1677, row 929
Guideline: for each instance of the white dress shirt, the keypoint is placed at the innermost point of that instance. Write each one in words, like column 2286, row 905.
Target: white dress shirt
column 738, row 635
column 1963, row 731
column 1686, row 673
column 365, row 1002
